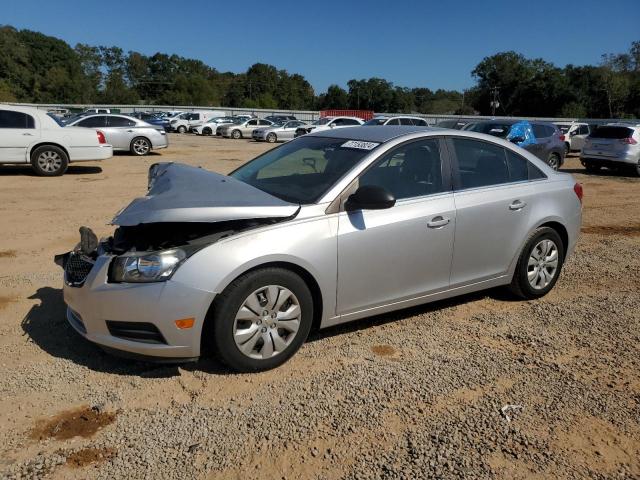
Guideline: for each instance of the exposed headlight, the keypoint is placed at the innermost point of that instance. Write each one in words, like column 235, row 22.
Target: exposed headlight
column 146, row 267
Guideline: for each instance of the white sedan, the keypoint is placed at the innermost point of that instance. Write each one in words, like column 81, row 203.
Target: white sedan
column 29, row 135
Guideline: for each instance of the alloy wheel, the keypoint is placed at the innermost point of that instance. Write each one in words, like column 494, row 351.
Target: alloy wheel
column 542, row 266
column 267, row 322
column 50, row 161
column 141, row 146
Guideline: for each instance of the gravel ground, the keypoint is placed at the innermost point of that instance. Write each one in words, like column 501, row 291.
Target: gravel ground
column 480, row 386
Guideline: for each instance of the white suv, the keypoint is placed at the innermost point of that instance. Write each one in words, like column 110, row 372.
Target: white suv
column 575, row 134
column 615, row 145
column 326, row 123
column 29, row 135
column 185, row 121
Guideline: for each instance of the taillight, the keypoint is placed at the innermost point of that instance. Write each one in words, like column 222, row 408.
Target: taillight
column 562, row 137
column 628, row 141
column 578, row 189
column 101, row 138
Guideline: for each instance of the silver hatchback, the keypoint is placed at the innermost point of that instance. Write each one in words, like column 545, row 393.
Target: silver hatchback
column 325, row 229
column 126, row 133
column 612, row 146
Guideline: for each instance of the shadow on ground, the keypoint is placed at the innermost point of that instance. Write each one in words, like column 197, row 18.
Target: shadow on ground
column 26, row 170
column 47, row 327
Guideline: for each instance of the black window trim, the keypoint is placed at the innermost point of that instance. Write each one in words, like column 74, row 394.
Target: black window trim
column 455, row 171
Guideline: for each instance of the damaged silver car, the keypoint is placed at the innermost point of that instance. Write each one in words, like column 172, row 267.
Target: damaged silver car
column 328, row 228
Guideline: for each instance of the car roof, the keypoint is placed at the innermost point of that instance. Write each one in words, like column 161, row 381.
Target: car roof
column 380, row 134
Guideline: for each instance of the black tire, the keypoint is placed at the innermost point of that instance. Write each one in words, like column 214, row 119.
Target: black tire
column 554, row 160
column 206, row 131
column 592, row 167
column 236, row 134
column 182, row 129
column 520, row 285
column 567, row 149
column 219, row 336
column 272, row 138
column 636, row 170
column 140, row 146
column 49, row 161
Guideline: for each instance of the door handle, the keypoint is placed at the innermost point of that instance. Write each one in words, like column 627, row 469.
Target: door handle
column 517, row 205
column 28, row 134
column 438, row 222
column 130, row 131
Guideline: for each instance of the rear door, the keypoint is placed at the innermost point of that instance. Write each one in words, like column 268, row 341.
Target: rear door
column 579, row 137
column 542, row 147
column 493, row 199
column 17, row 132
column 121, row 131
column 403, row 252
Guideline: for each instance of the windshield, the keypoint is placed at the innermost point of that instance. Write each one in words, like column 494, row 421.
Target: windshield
column 490, row 128
column 322, row 121
column 301, row 171
column 376, row 121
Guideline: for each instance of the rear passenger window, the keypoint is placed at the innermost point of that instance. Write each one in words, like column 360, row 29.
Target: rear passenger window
column 93, row 122
column 119, row 122
column 411, row 170
column 395, row 121
column 480, row 164
column 540, row 131
column 11, row 119
column 518, row 167
column 419, row 123
column 406, row 121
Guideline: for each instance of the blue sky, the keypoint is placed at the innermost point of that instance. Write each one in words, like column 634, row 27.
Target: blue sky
column 411, row 43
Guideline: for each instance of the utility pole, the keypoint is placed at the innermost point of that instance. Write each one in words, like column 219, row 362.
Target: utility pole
column 494, row 101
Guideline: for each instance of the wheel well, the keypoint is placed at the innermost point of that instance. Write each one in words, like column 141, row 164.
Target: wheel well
column 564, row 236
column 314, row 288
column 44, row 144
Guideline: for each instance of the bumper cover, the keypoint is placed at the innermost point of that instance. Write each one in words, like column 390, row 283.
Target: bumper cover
column 159, row 303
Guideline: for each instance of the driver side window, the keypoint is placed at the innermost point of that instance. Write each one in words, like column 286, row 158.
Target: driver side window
column 411, row 170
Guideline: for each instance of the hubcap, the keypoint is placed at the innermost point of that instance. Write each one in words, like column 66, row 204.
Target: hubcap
column 267, row 322
column 141, row 147
column 49, row 161
column 553, row 162
column 543, row 264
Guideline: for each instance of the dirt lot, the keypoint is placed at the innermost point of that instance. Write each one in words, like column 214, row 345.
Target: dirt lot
column 419, row 393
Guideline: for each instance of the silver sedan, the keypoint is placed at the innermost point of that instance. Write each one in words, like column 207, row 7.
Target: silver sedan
column 277, row 133
column 126, row 133
column 328, row 228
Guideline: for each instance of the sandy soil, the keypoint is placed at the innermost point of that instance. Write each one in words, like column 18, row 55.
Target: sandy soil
column 49, row 374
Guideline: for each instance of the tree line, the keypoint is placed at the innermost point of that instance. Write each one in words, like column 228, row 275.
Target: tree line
column 37, row 68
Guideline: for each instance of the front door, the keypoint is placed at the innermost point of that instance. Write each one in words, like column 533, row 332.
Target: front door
column 403, row 252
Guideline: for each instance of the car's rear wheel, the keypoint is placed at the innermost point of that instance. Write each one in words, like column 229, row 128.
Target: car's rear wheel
column 206, row 131
column 182, row 129
column 49, row 161
column 554, row 161
column 272, row 138
column 539, row 264
column 236, row 134
column 261, row 319
column 140, row 146
column 567, row 149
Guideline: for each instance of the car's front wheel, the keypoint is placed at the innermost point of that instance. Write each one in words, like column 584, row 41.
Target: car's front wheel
column 271, row 138
column 539, row 264
column 206, row 131
column 236, row 134
column 49, row 161
column 261, row 319
column 182, row 129
column 140, row 146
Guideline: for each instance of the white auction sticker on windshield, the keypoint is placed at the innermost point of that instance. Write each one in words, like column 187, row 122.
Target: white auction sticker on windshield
column 360, row 145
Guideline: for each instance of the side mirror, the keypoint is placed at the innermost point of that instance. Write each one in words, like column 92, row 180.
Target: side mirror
column 370, row 197
column 517, row 140
column 331, row 125
column 573, row 133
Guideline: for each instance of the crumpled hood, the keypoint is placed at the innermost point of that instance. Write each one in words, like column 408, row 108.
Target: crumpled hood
column 181, row 193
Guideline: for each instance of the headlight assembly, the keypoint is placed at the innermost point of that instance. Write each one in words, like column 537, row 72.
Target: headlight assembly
column 146, row 266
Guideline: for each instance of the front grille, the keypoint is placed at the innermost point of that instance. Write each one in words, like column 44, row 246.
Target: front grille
column 136, row 331
column 77, row 268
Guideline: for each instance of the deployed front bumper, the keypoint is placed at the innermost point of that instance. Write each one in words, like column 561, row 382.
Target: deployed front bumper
column 106, row 314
